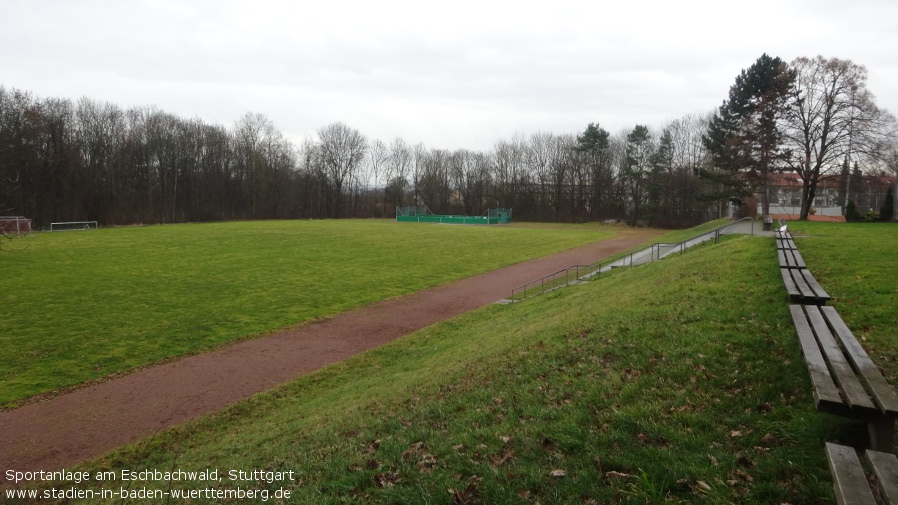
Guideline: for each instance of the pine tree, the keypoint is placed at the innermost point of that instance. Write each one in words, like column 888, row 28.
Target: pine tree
column 851, row 213
column 744, row 137
column 887, row 211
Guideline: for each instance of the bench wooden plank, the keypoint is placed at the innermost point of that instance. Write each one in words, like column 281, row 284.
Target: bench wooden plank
column 781, row 256
column 885, row 397
column 826, row 394
column 855, row 395
column 814, row 286
column 885, row 468
column 798, row 288
column 798, row 261
column 807, row 294
column 849, row 480
column 794, row 293
column 790, row 258
column 785, row 243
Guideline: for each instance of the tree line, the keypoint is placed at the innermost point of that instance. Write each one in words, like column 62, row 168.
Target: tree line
column 64, row 160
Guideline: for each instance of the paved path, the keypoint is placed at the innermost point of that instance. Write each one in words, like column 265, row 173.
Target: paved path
column 91, row 421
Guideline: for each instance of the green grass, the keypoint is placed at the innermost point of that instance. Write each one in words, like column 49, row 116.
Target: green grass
column 857, row 264
column 83, row 305
column 680, row 381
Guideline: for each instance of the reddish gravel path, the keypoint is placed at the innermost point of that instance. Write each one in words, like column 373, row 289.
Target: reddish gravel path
column 91, row 421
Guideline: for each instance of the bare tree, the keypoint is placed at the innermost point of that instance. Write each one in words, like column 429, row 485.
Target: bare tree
column 377, row 156
column 342, row 150
column 250, row 132
column 399, row 164
column 833, row 117
column 538, row 157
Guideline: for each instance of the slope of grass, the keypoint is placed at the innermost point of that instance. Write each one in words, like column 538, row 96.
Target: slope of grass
column 678, row 381
column 83, row 305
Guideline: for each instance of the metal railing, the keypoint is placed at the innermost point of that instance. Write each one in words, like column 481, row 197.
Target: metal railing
column 579, row 273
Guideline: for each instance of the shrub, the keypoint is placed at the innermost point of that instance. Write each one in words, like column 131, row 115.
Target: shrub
column 851, row 213
column 871, row 216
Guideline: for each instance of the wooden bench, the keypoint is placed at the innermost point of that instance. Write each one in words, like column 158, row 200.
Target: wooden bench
column 850, row 481
column 790, row 258
column 768, row 223
column 845, row 380
column 803, row 287
column 786, row 243
column 800, row 283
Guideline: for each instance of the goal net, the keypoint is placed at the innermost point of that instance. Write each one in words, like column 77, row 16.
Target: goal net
column 73, row 225
column 15, row 226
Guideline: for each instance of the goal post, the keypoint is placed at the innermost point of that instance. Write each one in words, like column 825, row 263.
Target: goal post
column 15, row 226
column 73, row 226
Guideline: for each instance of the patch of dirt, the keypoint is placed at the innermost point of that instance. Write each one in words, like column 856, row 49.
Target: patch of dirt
column 92, row 420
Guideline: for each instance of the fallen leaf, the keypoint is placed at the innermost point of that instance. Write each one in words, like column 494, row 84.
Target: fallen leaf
column 557, row 473
column 388, row 479
column 616, row 475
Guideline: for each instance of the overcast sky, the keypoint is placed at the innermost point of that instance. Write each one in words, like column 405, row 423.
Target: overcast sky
column 449, row 74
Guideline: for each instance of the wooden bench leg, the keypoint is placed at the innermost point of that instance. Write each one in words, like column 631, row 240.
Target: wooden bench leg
column 882, row 434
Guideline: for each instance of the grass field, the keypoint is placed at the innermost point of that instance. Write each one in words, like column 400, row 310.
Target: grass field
column 858, row 266
column 680, row 381
column 82, row 305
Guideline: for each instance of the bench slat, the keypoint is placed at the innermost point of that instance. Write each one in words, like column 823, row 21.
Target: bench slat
column 798, row 261
column 812, row 283
column 791, row 288
column 807, row 294
column 885, row 468
column 781, row 255
column 785, row 243
column 826, row 394
column 855, row 395
column 883, row 394
column 849, row 480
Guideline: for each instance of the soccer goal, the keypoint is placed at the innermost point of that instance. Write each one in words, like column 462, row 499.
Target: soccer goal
column 73, row 225
column 15, row 226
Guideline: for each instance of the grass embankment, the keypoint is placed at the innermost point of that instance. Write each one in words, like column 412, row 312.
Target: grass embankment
column 79, row 306
column 681, row 380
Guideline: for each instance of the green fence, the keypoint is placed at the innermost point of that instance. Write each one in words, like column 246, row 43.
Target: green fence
column 421, row 214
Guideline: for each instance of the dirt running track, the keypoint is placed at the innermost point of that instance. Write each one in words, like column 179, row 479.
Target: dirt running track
column 91, row 421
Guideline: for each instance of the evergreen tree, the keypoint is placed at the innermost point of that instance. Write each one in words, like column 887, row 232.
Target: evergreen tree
column 593, row 147
column 635, row 170
column 887, row 211
column 851, row 213
column 744, row 137
column 659, row 178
